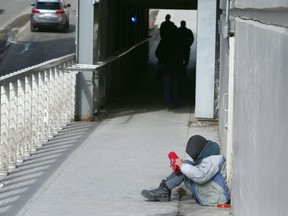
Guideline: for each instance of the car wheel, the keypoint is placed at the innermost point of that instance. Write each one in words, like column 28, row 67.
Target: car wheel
column 32, row 28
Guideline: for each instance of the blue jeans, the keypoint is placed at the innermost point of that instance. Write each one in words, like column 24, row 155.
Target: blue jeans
column 174, row 180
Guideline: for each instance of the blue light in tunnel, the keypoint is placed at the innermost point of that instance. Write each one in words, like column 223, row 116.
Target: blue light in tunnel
column 133, row 19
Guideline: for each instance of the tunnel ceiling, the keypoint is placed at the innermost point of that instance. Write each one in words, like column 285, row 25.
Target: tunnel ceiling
column 163, row 4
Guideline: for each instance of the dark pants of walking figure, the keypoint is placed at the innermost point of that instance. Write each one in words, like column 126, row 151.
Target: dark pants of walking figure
column 170, row 90
column 186, row 60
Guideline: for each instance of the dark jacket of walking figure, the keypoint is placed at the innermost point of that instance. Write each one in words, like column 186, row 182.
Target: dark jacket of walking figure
column 185, row 41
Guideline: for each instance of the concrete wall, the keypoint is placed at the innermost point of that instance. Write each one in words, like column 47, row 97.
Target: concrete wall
column 224, row 103
column 262, row 4
column 260, row 137
column 206, row 60
column 223, row 80
column 84, row 47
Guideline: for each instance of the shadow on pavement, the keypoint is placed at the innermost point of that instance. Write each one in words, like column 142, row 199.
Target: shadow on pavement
column 25, row 181
column 145, row 94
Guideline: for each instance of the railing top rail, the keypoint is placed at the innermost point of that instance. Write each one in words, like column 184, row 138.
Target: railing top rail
column 39, row 67
column 90, row 67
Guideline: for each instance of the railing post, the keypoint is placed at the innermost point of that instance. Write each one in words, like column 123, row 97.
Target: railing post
column 46, row 131
column 28, row 116
column 4, row 119
column 41, row 109
column 71, row 96
column 51, row 95
column 64, row 98
column 12, row 145
column 35, row 94
column 58, row 92
column 84, row 96
column 20, row 112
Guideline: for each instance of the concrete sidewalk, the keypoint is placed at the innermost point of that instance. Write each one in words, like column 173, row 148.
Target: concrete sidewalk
column 100, row 168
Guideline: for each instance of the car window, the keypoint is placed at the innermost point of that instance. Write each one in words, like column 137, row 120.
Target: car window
column 48, row 6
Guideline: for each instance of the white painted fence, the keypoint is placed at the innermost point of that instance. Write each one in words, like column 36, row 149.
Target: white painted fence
column 36, row 103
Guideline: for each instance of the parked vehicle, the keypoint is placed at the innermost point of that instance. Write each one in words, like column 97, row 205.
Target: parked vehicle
column 49, row 14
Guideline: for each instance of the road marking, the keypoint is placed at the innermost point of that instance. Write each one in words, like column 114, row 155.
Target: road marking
column 11, row 40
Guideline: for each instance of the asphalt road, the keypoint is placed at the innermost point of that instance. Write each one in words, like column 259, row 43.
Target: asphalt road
column 11, row 9
column 20, row 48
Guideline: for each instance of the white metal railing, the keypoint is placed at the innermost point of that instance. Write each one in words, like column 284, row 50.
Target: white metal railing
column 35, row 103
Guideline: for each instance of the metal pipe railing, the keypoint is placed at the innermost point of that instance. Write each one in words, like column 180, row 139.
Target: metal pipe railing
column 114, row 74
column 35, row 103
column 111, row 75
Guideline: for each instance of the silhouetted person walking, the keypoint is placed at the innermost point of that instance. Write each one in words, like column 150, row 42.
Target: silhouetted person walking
column 167, row 28
column 168, row 62
column 185, row 40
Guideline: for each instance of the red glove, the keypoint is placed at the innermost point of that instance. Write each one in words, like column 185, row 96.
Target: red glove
column 173, row 156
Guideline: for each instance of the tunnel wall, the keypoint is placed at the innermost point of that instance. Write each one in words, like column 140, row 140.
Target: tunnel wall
column 260, row 107
column 223, row 82
column 117, row 31
column 117, row 34
column 105, row 34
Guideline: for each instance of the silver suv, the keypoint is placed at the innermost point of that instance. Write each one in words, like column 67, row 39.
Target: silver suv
column 49, row 14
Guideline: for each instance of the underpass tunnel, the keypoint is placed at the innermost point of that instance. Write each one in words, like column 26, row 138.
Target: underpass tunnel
column 128, row 26
column 110, row 28
column 120, row 34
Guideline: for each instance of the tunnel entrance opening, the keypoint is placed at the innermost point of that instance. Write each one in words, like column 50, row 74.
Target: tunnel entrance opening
column 120, row 28
column 186, row 93
column 146, row 90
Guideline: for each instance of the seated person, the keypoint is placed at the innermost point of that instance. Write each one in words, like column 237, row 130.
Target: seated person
column 203, row 171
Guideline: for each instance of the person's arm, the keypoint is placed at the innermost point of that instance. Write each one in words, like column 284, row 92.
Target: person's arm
column 191, row 38
column 203, row 172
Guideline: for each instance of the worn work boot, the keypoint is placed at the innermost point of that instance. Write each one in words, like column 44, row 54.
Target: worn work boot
column 162, row 193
